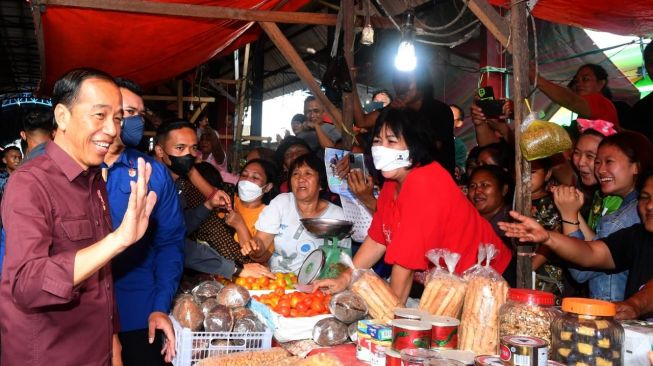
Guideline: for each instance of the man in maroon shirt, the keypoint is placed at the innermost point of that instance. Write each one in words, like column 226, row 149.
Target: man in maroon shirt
column 56, row 295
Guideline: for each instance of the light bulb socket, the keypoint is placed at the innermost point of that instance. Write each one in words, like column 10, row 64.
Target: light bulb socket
column 367, row 36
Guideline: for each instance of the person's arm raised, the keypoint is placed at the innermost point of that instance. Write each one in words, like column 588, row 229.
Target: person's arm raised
column 90, row 259
column 592, row 254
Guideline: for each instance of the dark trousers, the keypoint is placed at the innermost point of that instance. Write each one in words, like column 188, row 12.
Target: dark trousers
column 137, row 351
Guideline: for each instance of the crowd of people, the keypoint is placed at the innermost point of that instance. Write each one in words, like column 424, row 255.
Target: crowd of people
column 98, row 234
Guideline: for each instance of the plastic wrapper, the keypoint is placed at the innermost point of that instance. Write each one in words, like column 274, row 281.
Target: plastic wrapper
column 248, row 324
column 444, row 291
column 188, row 313
column 241, row 312
column 379, row 298
column 541, row 139
column 205, row 290
column 208, row 304
column 219, row 319
column 330, row 332
column 486, row 292
column 233, row 296
column 348, row 307
column 352, row 330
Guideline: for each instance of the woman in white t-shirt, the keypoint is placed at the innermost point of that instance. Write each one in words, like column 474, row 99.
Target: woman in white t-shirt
column 281, row 239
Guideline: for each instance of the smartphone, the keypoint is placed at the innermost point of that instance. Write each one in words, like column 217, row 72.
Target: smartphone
column 357, row 161
column 486, row 93
column 491, row 108
column 373, row 106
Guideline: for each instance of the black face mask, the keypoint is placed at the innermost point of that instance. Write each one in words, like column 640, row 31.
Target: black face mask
column 181, row 165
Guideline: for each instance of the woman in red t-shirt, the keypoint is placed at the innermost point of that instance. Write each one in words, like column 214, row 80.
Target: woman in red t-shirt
column 420, row 207
column 587, row 94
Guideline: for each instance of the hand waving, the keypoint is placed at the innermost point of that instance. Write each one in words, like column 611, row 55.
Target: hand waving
column 136, row 218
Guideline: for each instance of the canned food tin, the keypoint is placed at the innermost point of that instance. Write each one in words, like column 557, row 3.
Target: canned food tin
column 410, row 334
column 380, row 332
column 444, row 332
column 392, row 357
column 410, row 313
column 524, row 351
column 417, row 356
column 377, row 351
column 466, row 357
column 363, row 347
column 487, row 360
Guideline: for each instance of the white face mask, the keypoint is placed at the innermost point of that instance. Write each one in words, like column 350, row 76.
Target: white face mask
column 387, row 159
column 248, row 191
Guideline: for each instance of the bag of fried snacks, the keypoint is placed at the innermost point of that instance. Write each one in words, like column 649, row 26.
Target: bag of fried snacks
column 486, row 292
column 381, row 301
column 541, row 139
column 444, row 291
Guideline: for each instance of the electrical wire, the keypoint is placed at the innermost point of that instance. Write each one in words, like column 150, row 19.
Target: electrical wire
column 453, row 44
column 457, row 18
column 429, row 34
column 387, row 14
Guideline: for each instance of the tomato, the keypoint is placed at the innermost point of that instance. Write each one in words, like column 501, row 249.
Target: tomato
column 284, row 310
column 294, row 313
column 317, row 306
column 284, row 302
column 295, row 298
column 240, row 281
column 279, row 291
column 302, row 306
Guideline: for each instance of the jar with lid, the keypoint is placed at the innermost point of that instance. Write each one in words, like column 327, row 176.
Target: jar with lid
column 586, row 333
column 528, row 313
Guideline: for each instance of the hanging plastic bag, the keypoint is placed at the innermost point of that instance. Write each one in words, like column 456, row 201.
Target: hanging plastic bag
column 486, row 292
column 444, row 291
column 541, row 139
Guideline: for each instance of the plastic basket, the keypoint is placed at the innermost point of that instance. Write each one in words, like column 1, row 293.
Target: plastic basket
column 195, row 346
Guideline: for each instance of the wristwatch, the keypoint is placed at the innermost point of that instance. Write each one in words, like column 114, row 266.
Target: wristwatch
column 237, row 270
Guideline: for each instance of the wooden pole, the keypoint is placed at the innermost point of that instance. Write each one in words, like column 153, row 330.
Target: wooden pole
column 521, row 85
column 197, row 112
column 180, row 98
column 348, row 48
column 493, row 21
column 198, row 11
column 300, row 68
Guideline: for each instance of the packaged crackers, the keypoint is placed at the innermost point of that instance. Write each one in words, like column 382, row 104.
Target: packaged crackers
column 486, row 292
column 444, row 290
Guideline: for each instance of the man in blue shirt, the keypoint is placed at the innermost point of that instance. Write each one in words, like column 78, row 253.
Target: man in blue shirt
column 147, row 274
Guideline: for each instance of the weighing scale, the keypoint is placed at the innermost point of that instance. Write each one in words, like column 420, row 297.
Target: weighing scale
column 324, row 262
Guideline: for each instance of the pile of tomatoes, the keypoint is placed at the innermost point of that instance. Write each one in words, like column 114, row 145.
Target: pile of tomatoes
column 296, row 304
column 281, row 281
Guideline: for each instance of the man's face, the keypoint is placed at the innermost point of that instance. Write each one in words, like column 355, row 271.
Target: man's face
column 12, row 159
column 90, row 125
column 406, row 90
column 179, row 143
column 132, row 105
column 645, row 205
column 313, row 111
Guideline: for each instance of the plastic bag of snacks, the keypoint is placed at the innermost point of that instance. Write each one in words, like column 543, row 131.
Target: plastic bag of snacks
column 541, row 139
column 330, row 332
column 348, row 307
column 444, row 291
column 486, row 292
column 381, row 301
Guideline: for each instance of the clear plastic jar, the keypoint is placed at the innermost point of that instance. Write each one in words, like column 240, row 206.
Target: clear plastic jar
column 528, row 313
column 587, row 333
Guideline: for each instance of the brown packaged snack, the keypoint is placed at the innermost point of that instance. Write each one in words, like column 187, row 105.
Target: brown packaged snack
column 188, row 313
column 444, row 291
column 233, row 296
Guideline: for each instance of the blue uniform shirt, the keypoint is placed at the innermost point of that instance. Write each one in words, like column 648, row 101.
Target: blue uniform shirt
column 147, row 274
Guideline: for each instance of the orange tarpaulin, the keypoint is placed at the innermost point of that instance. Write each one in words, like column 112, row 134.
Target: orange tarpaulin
column 148, row 49
column 628, row 17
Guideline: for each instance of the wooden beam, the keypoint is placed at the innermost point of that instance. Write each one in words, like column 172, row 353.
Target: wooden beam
column 521, row 85
column 180, row 98
column 167, row 98
column 348, row 52
column 197, row 112
column 494, row 22
column 40, row 41
column 199, row 11
column 300, row 68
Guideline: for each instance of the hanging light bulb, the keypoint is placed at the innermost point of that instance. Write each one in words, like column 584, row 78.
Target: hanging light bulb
column 405, row 60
